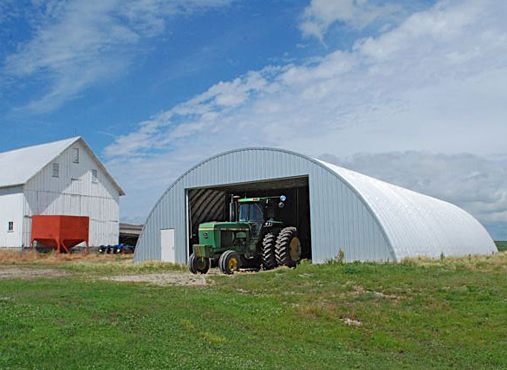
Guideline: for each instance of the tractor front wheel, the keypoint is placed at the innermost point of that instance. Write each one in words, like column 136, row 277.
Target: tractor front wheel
column 268, row 257
column 288, row 247
column 198, row 265
column 229, row 262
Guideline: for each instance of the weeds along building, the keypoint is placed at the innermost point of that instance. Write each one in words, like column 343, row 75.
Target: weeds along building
column 59, row 178
column 334, row 209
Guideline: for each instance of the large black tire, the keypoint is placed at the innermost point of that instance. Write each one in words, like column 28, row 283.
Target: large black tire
column 229, row 262
column 288, row 247
column 268, row 256
column 198, row 265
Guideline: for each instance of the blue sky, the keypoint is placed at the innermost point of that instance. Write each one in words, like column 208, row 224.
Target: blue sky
column 412, row 92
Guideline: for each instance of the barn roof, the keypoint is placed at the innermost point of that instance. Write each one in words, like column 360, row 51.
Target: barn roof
column 18, row 166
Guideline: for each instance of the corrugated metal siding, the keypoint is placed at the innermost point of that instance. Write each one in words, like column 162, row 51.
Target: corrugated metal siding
column 419, row 225
column 339, row 218
column 74, row 193
column 366, row 218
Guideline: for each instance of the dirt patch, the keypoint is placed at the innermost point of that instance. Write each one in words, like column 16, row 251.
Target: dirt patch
column 175, row 277
column 166, row 278
column 9, row 273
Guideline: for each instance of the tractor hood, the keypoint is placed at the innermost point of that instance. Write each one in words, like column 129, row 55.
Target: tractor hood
column 229, row 226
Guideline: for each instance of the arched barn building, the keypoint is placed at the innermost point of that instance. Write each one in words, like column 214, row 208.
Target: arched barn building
column 333, row 208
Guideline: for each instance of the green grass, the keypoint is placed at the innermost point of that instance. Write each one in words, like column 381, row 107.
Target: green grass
column 449, row 313
column 501, row 245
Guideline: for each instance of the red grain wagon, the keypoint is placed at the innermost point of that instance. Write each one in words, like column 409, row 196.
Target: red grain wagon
column 60, row 233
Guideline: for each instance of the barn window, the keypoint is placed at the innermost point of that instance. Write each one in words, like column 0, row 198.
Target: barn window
column 56, row 169
column 95, row 176
column 10, row 227
column 75, row 157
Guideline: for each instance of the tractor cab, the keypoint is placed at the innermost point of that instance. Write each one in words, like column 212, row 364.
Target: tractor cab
column 254, row 211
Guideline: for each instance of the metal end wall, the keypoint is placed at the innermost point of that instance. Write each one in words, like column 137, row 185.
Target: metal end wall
column 348, row 211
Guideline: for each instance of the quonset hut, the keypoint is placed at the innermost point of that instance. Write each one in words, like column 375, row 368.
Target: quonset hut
column 334, row 209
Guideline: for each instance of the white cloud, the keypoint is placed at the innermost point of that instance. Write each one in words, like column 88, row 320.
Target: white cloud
column 201, row 113
column 80, row 43
column 320, row 15
column 437, row 82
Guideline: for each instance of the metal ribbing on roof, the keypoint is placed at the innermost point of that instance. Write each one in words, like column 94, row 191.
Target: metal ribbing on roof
column 369, row 220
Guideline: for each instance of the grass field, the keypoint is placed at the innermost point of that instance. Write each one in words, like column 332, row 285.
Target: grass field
column 449, row 313
column 502, row 246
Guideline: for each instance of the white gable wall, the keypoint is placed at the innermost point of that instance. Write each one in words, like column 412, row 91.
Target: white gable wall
column 11, row 205
column 73, row 193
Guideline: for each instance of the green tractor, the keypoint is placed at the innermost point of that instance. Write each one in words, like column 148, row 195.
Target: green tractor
column 252, row 238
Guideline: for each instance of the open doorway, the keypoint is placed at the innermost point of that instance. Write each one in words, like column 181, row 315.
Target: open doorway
column 212, row 204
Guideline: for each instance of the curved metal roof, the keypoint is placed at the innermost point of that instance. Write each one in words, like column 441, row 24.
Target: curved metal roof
column 372, row 219
column 417, row 224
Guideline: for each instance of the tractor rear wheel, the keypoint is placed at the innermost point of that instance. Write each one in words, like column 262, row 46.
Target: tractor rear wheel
column 268, row 257
column 198, row 265
column 288, row 247
column 229, row 262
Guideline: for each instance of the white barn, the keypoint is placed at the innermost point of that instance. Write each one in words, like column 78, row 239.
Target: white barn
column 58, row 178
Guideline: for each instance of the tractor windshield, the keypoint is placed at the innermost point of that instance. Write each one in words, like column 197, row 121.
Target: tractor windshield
column 251, row 212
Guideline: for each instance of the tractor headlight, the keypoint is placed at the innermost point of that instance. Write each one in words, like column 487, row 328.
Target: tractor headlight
column 281, row 204
column 283, row 198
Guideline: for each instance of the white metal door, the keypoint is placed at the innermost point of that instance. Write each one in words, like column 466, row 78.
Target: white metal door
column 167, row 245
